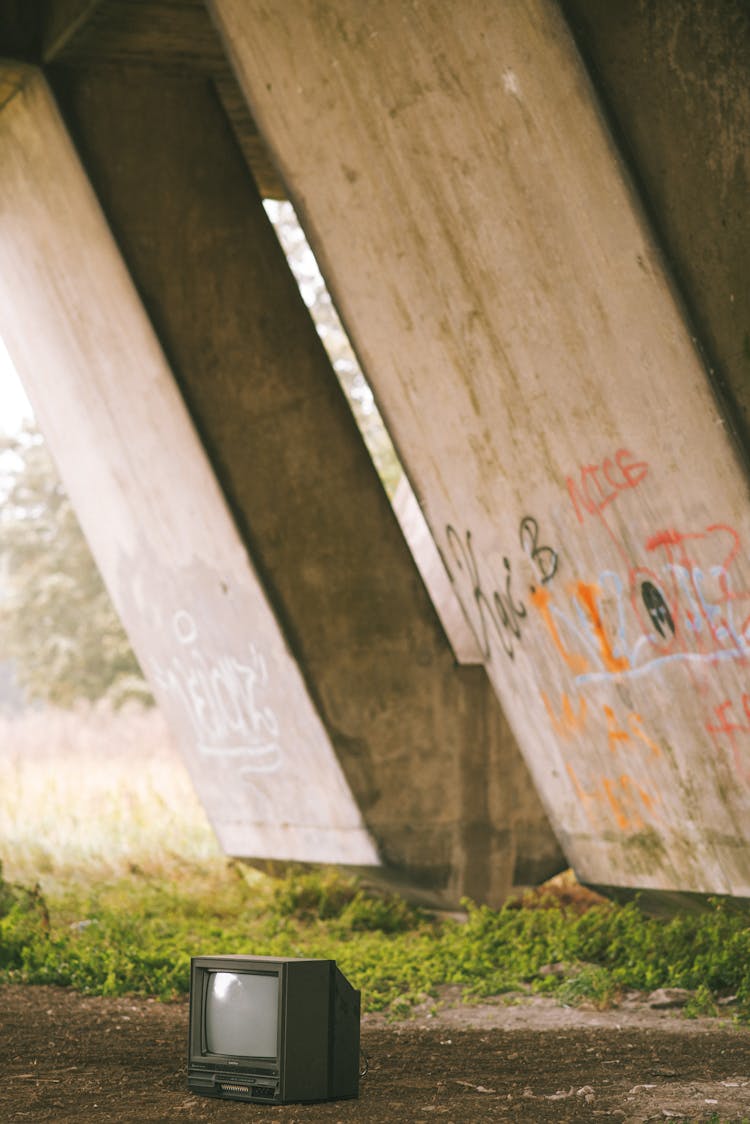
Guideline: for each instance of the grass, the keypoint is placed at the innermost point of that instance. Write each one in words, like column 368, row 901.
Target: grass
column 89, row 793
column 112, row 880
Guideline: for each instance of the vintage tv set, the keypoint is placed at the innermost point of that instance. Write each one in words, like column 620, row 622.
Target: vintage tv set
column 272, row 1029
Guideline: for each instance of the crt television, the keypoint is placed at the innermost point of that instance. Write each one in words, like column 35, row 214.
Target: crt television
column 270, row 1029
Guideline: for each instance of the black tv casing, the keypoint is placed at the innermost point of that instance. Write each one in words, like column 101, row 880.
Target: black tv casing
column 317, row 1043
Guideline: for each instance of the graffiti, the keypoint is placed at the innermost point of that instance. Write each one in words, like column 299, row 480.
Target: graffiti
column 677, row 599
column 588, row 595
column 617, row 734
column 725, row 725
column 684, row 610
column 673, row 598
column 620, row 798
column 589, row 626
column 684, row 606
column 598, row 485
column 219, row 696
column 543, row 557
column 657, row 608
column 576, row 662
column 567, row 723
column 495, row 615
column 574, row 718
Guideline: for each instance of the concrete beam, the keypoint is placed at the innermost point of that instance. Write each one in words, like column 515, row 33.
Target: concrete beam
column 150, row 506
column 64, row 22
column 675, row 81
column 512, row 309
column 422, row 745
column 20, row 28
column 177, row 34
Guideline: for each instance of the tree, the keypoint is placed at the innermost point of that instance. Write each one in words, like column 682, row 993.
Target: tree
column 57, row 623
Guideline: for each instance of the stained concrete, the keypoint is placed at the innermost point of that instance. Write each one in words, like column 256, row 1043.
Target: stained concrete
column 157, row 522
column 496, row 266
column 537, row 243
column 675, row 81
column 423, row 745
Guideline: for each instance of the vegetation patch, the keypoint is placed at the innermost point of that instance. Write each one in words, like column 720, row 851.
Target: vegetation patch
column 96, row 806
column 135, row 935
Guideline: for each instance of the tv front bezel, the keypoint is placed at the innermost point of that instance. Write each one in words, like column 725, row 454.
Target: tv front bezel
column 243, row 1067
column 235, row 969
column 317, row 1034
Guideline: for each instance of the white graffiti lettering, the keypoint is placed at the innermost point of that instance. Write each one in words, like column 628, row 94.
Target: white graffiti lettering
column 220, row 697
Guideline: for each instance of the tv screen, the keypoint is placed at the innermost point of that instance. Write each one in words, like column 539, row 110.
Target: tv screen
column 242, row 1014
column 272, row 1029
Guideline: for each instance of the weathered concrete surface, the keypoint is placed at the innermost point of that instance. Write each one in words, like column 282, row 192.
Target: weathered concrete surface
column 423, row 744
column 676, row 81
column 426, row 555
column 151, row 509
column 169, row 34
column 506, row 295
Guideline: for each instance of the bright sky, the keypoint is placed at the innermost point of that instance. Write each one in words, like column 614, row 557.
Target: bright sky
column 14, row 405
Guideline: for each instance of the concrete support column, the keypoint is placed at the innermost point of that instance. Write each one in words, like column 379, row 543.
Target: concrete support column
column 150, row 506
column 674, row 80
column 499, row 277
column 425, row 756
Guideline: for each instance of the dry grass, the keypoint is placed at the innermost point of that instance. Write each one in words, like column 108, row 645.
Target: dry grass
column 93, row 793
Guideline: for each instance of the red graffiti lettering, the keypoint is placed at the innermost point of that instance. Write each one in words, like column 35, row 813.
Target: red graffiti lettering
column 734, row 731
column 599, row 484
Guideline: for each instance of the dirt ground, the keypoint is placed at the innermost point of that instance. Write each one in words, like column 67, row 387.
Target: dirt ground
column 68, row 1057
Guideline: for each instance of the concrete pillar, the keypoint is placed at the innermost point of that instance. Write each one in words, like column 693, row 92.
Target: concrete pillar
column 499, row 277
column 422, row 745
column 149, row 503
column 674, row 79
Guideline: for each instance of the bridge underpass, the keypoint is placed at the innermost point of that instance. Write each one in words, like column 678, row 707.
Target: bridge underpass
column 521, row 259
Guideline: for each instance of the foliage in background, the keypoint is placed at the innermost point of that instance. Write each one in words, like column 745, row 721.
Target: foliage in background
column 57, row 623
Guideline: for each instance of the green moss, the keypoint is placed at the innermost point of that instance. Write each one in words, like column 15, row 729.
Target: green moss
column 644, row 850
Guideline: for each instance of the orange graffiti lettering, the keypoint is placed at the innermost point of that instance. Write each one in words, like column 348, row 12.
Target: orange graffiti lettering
column 586, row 798
column 636, row 725
column 578, row 664
column 622, row 821
column 614, row 797
column 588, row 594
column 615, row 733
column 567, row 723
column 626, row 783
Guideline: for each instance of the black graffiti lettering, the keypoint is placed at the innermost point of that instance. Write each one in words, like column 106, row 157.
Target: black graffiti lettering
column 543, row 557
column 463, row 556
column 498, row 612
column 657, row 608
column 514, row 613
